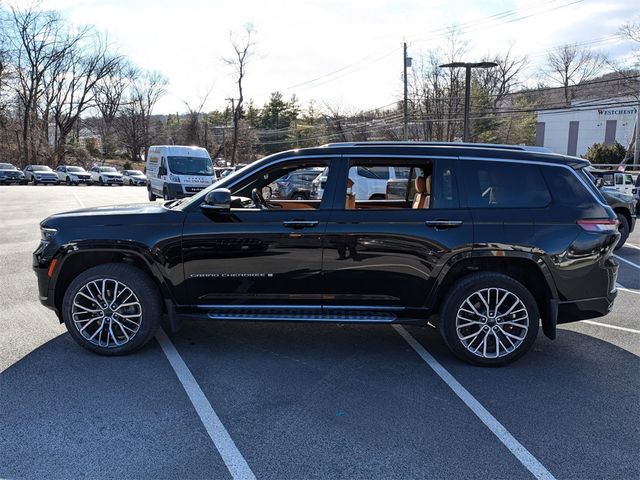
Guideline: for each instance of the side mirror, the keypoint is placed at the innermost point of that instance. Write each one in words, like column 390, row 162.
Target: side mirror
column 599, row 182
column 218, row 200
column 162, row 171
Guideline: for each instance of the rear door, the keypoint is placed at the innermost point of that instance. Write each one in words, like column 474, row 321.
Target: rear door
column 384, row 255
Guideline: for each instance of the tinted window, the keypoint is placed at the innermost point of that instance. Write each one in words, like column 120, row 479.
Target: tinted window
column 444, row 191
column 504, row 185
column 566, row 189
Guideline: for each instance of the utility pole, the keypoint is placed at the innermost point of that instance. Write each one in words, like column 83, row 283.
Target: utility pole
column 406, row 63
column 467, row 88
column 636, row 147
column 233, row 116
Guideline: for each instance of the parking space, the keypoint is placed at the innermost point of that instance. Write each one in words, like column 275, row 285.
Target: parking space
column 303, row 400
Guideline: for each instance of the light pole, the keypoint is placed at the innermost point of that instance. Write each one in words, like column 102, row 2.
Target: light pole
column 467, row 87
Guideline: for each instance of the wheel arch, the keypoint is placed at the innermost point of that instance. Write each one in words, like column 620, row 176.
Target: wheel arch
column 528, row 269
column 73, row 264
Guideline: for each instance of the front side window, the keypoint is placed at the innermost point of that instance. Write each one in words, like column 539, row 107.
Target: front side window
column 493, row 184
column 290, row 186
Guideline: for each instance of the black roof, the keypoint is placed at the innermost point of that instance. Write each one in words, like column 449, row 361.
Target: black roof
column 476, row 150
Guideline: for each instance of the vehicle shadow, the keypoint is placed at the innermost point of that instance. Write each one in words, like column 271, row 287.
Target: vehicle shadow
column 573, row 402
column 315, row 397
column 68, row 413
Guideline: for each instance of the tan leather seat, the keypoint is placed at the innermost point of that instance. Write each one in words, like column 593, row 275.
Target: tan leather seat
column 423, row 192
column 350, row 201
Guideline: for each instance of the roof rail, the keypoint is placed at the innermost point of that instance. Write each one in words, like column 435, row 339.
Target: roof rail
column 499, row 146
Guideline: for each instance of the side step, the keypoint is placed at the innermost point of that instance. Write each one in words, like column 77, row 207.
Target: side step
column 301, row 315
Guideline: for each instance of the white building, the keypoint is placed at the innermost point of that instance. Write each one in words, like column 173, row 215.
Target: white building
column 573, row 130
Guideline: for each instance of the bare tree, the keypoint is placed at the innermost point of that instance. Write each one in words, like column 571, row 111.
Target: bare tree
column 134, row 122
column 243, row 50
column 631, row 30
column 109, row 94
column 192, row 127
column 74, row 85
column 500, row 81
column 37, row 43
column 571, row 65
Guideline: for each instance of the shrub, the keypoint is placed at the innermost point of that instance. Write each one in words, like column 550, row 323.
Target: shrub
column 600, row 153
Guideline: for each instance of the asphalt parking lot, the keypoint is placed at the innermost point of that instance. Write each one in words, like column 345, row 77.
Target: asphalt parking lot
column 297, row 401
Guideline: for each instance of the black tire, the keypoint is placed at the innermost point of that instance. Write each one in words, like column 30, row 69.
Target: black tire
column 143, row 288
column 100, row 181
column 68, row 181
column 464, row 289
column 623, row 228
column 377, row 196
column 34, row 181
column 165, row 194
column 152, row 197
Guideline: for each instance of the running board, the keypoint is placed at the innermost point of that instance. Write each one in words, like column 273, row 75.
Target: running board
column 302, row 315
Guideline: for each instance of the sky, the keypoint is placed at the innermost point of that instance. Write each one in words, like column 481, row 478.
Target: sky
column 339, row 53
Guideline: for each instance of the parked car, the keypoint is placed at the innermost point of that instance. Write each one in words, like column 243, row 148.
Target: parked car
column 10, row 174
column 73, row 175
column 485, row 258
column 40, row 174
column 370, row 183
column 296, row 185
column 134, row 177
column 636, row 194
column 619, row 181
column 106, row 175
column 623, row 205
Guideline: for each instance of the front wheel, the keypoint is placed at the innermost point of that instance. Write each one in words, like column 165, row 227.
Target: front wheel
column 489, row 319
column 112, row 309
column 100, row 181
column 34, row 181
column 165, row 194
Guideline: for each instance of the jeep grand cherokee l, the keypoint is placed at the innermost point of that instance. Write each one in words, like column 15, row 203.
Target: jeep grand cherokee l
column 486, row 258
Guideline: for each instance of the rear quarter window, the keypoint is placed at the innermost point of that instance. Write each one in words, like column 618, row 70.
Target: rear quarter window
column 493, row 184
column 566, row 189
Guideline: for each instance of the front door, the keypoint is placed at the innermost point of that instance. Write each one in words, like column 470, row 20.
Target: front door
column 263, row 255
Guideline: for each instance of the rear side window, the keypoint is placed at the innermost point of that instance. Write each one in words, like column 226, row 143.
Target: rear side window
column 490, row 184
column 566, row 189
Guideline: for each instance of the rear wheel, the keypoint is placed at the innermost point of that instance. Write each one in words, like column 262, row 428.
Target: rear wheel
column 299, row 196
column 112, row 309
column 152, row 197
column 165, row 194
column 623, row 228
column 489, row 319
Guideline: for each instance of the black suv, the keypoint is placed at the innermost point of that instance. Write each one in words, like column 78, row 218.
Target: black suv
column 488, row 242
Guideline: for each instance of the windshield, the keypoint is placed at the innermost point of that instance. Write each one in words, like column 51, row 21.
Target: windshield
column 7, row 166
column 75, row 169
column 133, row 172
column 190, row 165
column 41, row 168
column 108, row 170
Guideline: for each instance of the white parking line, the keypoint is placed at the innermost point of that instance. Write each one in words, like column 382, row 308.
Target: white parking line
column 627, row 244
column 233, row 459
column 82, row 205
column 516, row 448
column 627, row 261
column 606, row 325
column 625, row 289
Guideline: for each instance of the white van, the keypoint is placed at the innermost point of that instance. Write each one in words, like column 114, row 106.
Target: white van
column 175, row 171
column 369, row 183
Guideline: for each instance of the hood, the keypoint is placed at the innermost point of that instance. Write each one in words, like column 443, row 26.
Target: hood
column 108, row 215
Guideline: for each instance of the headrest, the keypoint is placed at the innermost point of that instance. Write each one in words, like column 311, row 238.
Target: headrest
column 420, row 185
column 427, row 185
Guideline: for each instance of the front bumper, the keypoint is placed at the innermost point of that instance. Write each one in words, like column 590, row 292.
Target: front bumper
column 47, row 179
column 11, row 179
column 112, row 180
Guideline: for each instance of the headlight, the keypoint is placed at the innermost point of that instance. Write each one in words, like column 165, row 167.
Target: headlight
column 47, row 234
column 174, row 178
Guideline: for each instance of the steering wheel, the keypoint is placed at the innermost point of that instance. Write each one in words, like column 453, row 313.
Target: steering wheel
column 258, row 199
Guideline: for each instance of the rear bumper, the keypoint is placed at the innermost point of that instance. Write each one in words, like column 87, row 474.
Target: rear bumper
column 586, row 308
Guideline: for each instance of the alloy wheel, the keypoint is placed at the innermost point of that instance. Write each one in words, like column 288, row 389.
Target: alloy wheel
column 492, row 322
column 106, row 312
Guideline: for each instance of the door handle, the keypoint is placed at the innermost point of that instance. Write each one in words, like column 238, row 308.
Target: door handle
column 442, row 224
column 300, row 223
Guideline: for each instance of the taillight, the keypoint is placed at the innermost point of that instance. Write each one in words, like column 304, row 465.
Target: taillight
column 599, row 225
